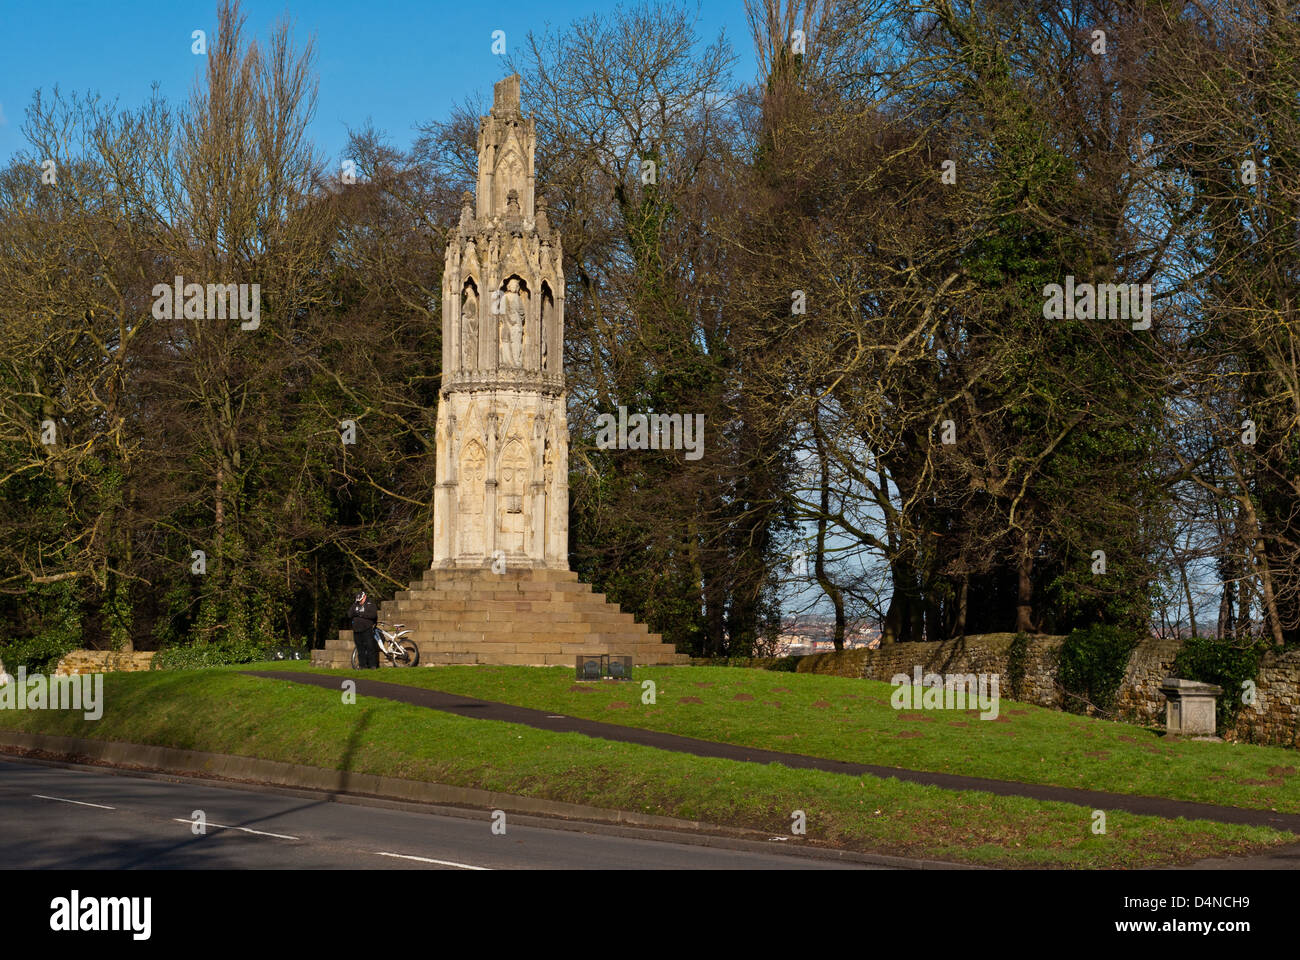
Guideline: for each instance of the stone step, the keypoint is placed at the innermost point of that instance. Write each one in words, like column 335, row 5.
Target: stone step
column 394, row 611
column 530, row 656
column 512, row 633
column 513, row 601
column 504, row 581
column 523, row 574
column 409, row 613
column 522, row 637
column 498, row 603
column 472, row 634
column 444, row 638
column 621, row 645
column 492, row 594
column 494, row 580
column 431, row 619
column 494, row 591
column 498, row 592
column 521, row 616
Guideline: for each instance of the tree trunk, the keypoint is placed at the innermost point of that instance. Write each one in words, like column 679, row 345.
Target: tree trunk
column 829, row 587
column 1187, row 591
column 220, row 510
column 1025, row 589
column 1224, row 627
column 889, row 627
column 916, row 628
column 1267, row 600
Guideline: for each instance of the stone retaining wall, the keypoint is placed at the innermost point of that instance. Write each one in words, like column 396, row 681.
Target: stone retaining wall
column 1139, row 699
column 1275, row 719
column 104, row 661
column 988, row 653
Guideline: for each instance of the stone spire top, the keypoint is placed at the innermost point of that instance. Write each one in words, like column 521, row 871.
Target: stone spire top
column 507, row 144
column 505, row 97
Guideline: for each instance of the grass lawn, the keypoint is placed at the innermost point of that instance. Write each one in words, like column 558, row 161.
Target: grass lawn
column 220, row 711
column 850, row 719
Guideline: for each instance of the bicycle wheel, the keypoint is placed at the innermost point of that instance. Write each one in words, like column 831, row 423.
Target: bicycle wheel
column 355, row 664
column 410, row 654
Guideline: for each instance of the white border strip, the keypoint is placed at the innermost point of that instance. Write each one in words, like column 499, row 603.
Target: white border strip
column 81, row 803
column 445, row 863
column 222, row 826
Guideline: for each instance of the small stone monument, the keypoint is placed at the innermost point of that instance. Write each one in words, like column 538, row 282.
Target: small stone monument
column 1190, row 710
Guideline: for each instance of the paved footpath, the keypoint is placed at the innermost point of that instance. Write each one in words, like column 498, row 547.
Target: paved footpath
column 490, row 710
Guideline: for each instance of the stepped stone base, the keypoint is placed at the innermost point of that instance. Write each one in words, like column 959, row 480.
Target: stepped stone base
column 529, row 617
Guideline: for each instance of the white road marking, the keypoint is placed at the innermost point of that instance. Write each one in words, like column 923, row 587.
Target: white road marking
column 445, row 863
column 222, row 826
column 556, row 716
column 81, row 803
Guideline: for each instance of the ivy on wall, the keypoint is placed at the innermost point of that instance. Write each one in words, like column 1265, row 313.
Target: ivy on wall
column 1093, row 661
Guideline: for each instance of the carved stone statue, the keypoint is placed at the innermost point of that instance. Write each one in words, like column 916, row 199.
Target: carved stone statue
column 512, row 332
column 542, row 220
column 547, row 310
column 467, row 211
column 469, row 330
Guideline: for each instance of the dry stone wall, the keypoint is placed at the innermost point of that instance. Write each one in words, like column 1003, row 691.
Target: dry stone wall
column 104, row 661
column 1275, row 716
column 1274, row 719
column 988, row 653
column 1139, row 699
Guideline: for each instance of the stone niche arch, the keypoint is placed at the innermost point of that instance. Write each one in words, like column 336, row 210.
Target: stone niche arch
column 508, row 175
column 471, row 322
column 513, row 474
column 471, row 493
column 547, row 328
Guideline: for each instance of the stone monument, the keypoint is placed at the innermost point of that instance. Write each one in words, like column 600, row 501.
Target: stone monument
column 500, row 589
column 1190, row 710
column 503, row 462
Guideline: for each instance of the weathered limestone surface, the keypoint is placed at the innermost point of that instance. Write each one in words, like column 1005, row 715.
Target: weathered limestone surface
column 1139, row 696
column 984, row 653
column 1190, row 707
column 103, row 661
column 503, row 459
column 1275, row 715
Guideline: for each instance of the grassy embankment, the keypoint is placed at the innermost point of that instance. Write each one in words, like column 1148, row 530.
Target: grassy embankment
column 220, row 711
column 852, row 719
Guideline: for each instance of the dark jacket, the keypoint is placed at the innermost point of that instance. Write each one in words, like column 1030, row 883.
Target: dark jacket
column 364, row 616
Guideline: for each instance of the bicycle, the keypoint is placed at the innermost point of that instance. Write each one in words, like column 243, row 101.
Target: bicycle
column 395, row 645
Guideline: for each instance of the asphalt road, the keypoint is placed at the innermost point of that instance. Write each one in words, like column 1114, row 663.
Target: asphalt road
column 87, row 819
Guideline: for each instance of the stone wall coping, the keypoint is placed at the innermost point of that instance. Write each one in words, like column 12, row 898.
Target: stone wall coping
column 1184, row 688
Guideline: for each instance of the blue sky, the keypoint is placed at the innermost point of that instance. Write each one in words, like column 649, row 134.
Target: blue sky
column 396, row 62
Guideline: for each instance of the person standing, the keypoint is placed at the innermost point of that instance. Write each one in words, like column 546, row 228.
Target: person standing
column 365, row 615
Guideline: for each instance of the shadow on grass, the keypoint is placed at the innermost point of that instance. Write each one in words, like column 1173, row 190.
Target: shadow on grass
column 348, row 762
